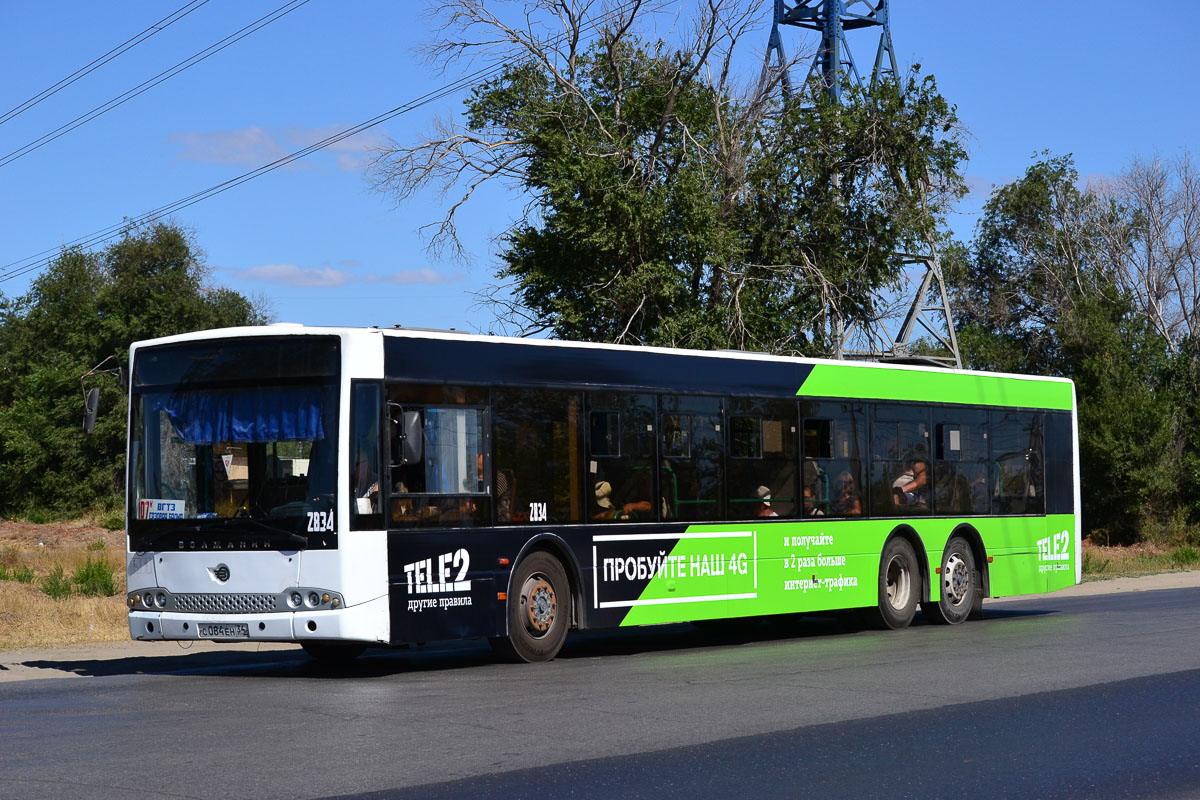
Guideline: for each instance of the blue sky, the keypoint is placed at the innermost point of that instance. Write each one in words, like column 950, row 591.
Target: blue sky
column 1099, row 80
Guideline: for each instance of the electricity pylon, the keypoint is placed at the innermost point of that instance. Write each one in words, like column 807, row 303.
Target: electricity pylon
column 832, row 69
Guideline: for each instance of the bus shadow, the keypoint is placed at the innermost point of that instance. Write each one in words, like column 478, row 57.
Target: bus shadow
column 376, row 662
column 736, row 632
column 164, row 665
column 471, row 654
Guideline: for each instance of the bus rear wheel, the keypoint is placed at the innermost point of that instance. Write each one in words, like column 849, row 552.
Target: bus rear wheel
column 899, row 585
column 960, row 590
column 539, row 611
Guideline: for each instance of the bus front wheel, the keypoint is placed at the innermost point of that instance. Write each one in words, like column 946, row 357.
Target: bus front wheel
column 960, row 590
column 539, row 610
column 899, row 585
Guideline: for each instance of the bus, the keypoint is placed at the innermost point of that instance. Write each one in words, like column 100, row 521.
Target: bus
column 343, row 488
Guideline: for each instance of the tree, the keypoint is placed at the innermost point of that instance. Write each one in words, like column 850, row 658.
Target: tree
column 1036, row 293
column 86, row 307
column 1150, row 240
column 670, row 201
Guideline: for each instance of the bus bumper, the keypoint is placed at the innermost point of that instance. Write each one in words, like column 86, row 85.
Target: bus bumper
column 365, row 622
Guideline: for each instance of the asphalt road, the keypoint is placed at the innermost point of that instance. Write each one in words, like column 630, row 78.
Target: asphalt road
column 1054, row 696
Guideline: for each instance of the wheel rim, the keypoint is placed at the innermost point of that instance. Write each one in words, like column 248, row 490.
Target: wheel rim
column 540, row 605
column 956, row 579
column 899, row 583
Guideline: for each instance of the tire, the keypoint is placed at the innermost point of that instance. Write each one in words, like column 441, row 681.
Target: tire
column 539, row 611
column 899, row 585
column 333, row 652
column 960, row 593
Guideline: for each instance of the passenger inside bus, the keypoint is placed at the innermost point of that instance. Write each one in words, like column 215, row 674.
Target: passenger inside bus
column 764, row 502
column 847, row 502
column 816, row 489
column 366, row 484
column 911, row 487
column 505, row 485
column 636, row 492
column 604, row 504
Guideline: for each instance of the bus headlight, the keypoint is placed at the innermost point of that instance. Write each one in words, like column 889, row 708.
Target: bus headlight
column 295, row 599
column 314, row 599
column 160, row 600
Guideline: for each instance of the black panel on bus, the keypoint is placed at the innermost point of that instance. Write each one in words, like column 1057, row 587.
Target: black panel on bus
column 1060, row 471
column 256, row 359
column 465, row 362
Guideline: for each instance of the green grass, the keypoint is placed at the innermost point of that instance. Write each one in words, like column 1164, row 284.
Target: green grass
column 56, row 585
column 95, row 578
column 38, row 516
column 1185, row 557
column 96, row 545
column 1094, row 564
column 19, row 573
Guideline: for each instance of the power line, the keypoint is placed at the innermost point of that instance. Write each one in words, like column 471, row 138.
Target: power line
column 119, row 50
column 43, row 259
column 166, row 74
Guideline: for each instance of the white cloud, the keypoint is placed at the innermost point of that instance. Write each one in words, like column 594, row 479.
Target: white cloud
column 292, row 275
column 424, row 275
column 325, row 276
column 255, row 146
column 248, row 147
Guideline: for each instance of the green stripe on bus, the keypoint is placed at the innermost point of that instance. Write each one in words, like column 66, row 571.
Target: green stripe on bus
column 879, row 383
column 768, row 567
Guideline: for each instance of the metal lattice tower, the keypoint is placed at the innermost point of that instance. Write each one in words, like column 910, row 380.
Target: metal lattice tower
column 832, row 69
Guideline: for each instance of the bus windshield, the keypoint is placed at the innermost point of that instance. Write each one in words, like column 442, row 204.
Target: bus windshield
column 214, row 446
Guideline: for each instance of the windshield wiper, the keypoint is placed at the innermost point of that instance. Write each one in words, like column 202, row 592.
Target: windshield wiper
column 274, row 533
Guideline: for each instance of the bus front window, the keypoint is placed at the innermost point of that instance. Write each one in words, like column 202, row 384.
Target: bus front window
column 261, row 453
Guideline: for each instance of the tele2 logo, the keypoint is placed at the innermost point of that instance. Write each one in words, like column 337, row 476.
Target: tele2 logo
column 422, row 579
column 1055, row 548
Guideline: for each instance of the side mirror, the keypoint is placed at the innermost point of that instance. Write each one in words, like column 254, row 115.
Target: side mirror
column 90, row 407
column 91, row 397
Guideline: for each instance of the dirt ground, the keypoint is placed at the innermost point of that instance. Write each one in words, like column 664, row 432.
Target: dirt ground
column 29, row 618
column 59, row 534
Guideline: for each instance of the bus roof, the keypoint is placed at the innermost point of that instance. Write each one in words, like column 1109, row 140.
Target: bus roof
column 816, row 377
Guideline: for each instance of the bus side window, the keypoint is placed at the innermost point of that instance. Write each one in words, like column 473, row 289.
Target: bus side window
column 365, row 485
column 901, row 483
column 536, row 436
column 1016, row 463
column 763, row 459
column 834, row 439
column 692, row 473
column 620, row 476
column 438, row 470
column 960, row 462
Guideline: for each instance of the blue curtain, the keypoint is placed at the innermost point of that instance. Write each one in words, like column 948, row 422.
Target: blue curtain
column 243, row 415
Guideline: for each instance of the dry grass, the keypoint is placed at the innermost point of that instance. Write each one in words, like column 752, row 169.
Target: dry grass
column 30, row 618
column 1101, row 563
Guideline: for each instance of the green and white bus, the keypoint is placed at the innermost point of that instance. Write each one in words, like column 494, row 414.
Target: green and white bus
column 350, row 487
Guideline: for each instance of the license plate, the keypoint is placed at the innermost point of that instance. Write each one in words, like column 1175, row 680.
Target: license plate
column 228, row 630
